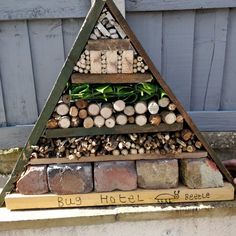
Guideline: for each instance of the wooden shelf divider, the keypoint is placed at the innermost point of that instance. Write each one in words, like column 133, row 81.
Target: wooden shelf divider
column 130, row 157
column 118, row 129
column 77, row 78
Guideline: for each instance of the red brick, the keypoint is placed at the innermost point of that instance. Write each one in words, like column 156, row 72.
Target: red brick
column 115, row 175
column 200, row 173
column 157, row 174
column 33, row 181
column 70, row 178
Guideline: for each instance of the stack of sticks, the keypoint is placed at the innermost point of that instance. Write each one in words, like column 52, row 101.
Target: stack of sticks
column 107, row 27
column 84, row 114
column 159, row 143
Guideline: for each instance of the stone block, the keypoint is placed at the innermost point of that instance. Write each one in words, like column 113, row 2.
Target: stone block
column 8, row 160
column 33, row 181
column 157, row 174
column 200, row 173
column 70, row 178
column 115, row 175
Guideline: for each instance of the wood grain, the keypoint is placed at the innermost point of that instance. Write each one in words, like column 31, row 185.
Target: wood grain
column 137, row 197
column 109, row 44
column 184, row 155
column 118, row 129
column 77, row 78
column 166, row 88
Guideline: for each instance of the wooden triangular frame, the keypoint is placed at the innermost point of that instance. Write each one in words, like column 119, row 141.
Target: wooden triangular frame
column 67, row 69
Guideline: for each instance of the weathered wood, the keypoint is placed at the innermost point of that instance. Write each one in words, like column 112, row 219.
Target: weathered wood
column 109, row 44
column 77, row 78
column 163, row 5
column 70, row 29
column 57, row 90
column 118, row 129
column 210, row 41
column 127, row 61
column 2, row 108
column 31, row 9
column 96, row 65
column 151, row 26
column 181, row 194
column 178, row 38
column 19, row 97
column 166, row 88
column 128, row 157
column 42, row 44
column 111, row 62
column 228, row 96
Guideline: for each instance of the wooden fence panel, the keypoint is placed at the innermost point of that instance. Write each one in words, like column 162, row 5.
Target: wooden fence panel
column 148, row 29
column 47, row 52
column 228, row 99
column 177, row 54
column 17, row 74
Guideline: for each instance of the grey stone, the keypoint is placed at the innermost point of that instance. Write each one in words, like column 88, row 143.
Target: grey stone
column 157, row 174
column 200, row 173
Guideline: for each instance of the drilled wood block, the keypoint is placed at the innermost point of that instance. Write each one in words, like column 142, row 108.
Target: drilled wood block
column 96, row 65
column 127, row 61
column 111, row 62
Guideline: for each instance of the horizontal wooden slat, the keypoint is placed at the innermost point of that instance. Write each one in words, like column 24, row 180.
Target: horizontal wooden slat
column 140, row 196
column 44, row 9
column 15, row 136
column 34, row 9
column 109, row 44
column 168, row 5
column 118, row 129
column 77, row 78
column 184, row 155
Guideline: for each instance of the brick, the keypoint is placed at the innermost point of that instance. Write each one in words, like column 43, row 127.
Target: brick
column 33, row 181
column 157, row 174
column 201, row 173
column 115, row 175
column 70, row 178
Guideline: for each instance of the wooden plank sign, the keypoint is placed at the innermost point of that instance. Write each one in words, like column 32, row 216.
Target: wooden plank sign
column 181, row 194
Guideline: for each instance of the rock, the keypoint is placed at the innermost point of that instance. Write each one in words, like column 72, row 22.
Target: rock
column 200, row 173
column 115, row 175
column 33, row 181
column 157, row 174
column 70, row 178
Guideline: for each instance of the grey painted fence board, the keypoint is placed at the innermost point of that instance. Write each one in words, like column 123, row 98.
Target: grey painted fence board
column 47, row 55
column 206, row 121
column 151, row 38
column 2, row 108
column 228, row 99
column 178, row 38
column 215, row 78
column 43, row 9
column 17, row 75
column 70, row 29
column 164, row 5
column 202, row 54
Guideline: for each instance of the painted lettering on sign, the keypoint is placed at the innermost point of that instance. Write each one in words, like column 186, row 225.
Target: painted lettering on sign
column 196, row 196
column 167, row 197
column 69, row 201
column 120, row 199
